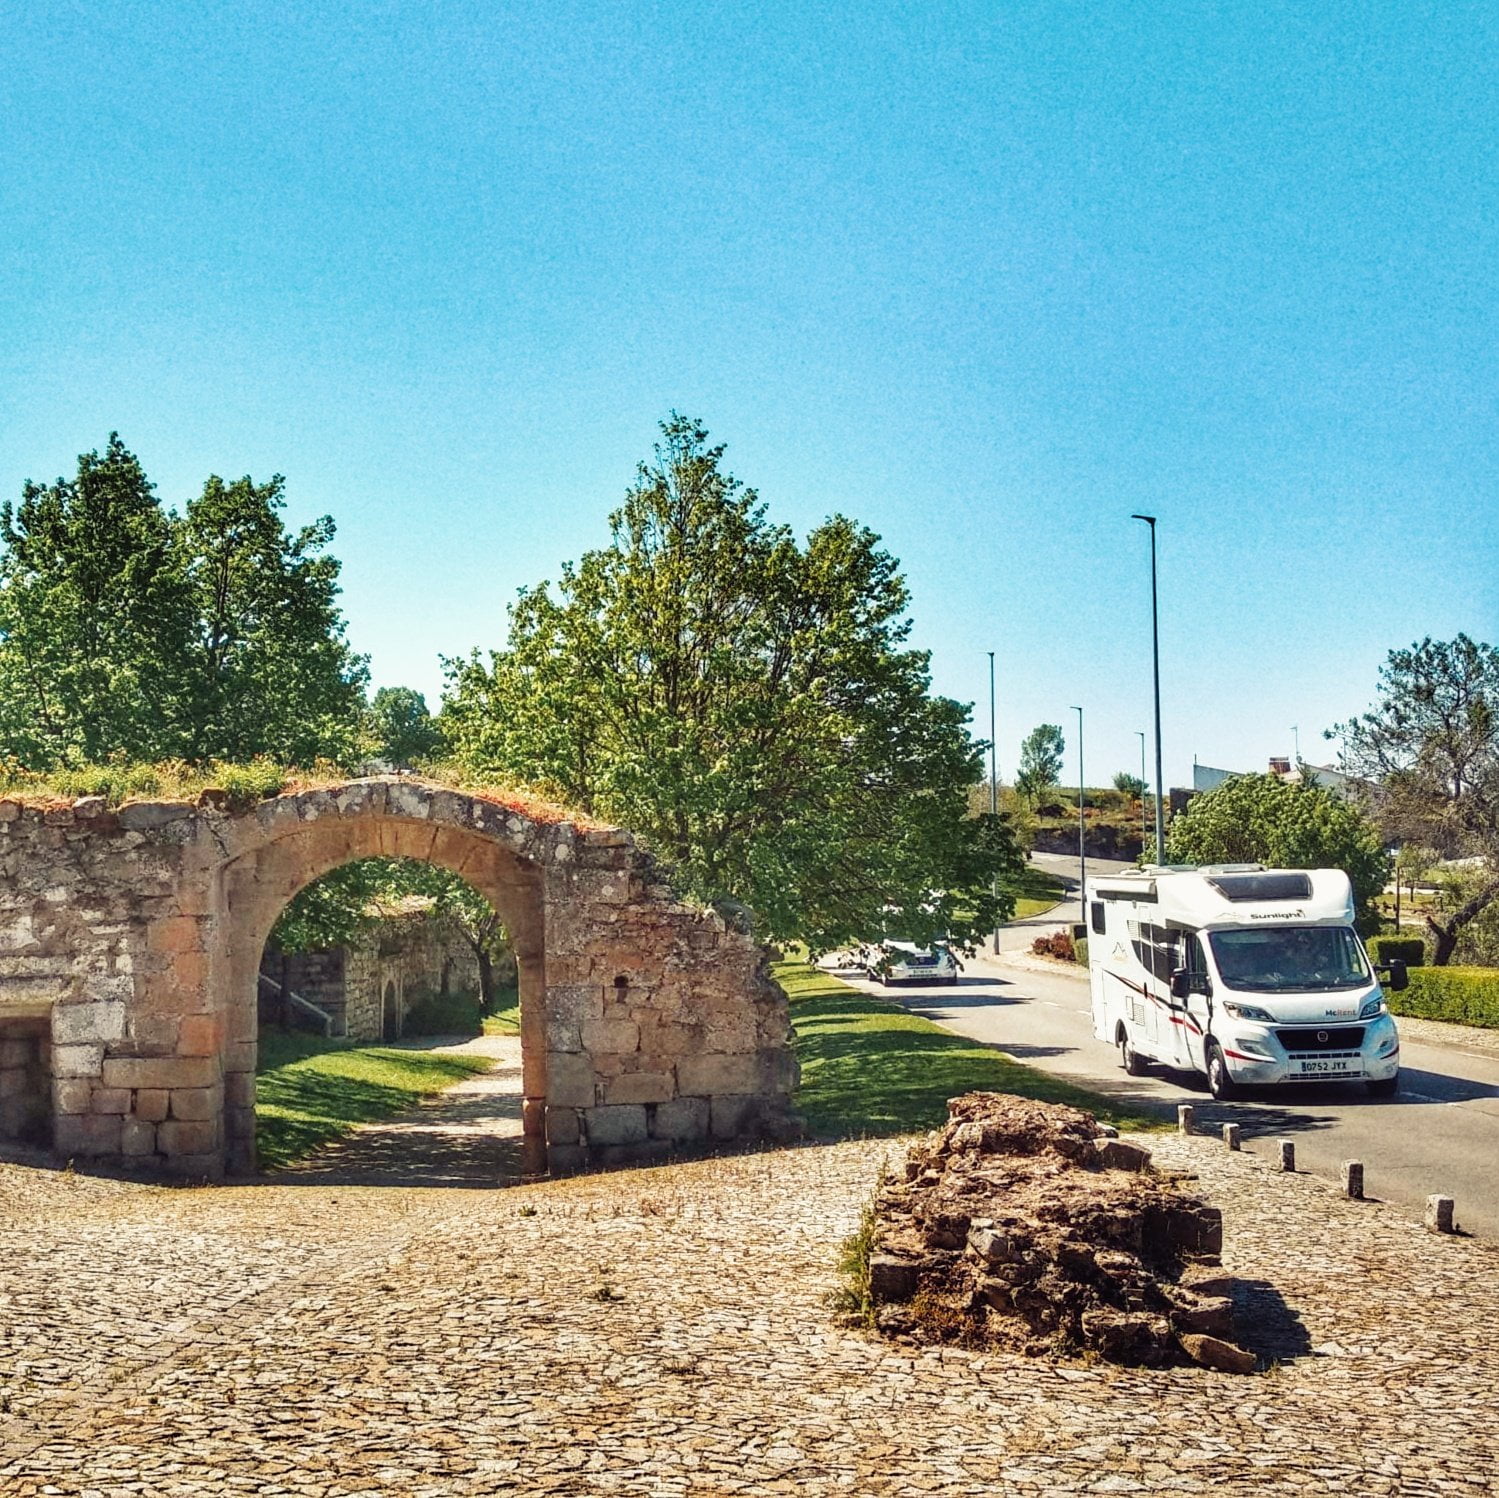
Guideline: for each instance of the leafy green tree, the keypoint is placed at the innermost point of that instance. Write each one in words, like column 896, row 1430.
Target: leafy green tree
column 272, row 672
column 401, row 729
column 1431, row 742
column 749, row 705
column 95, row 619
column 130, row 633
column 1284, row 824
column 1040, row 761
column 1129, row 785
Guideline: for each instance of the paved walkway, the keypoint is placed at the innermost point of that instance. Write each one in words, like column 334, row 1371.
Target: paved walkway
column 469, row 1135
column 666, row 1331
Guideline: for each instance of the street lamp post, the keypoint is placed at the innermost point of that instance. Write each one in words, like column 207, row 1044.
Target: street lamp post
column 1082, row 823
column 993, row 772
column 1155, row 643
column 1144, row 786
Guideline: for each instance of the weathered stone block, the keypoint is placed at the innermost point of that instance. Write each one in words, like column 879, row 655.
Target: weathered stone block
column 640, row 1087
column 86, row 1134
column 77, row 1060
column 81, row 1024
column 733, row 1116
column 161, row 1071
column 562, row 1126
column 564, row 1159
column 195, row 1102
column 569, row 1006
column 187, row 1137
column 239, row 1089
column 137, row 1137
column 570, row 1079
column 145, row 816
column 151, row 1104
column 620, row 1124
column 707, row 1076
column 200, row 1035
column 682, row 1119
column 110, row 1100
column 72, row 1094
column 620, row 1036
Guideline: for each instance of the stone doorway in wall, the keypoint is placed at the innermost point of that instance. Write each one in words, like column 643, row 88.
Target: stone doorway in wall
column 381, row 975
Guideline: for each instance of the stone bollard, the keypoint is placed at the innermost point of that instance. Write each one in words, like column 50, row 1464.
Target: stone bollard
column 1288, row 1154
column 1184, row 1118
column 1353, row 1179
column 1439, row 1211
column 1231, row 1136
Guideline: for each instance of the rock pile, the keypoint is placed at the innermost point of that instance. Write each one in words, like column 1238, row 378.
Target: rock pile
column 1029, row 1225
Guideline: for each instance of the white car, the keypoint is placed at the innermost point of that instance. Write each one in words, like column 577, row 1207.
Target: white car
column 902, row 961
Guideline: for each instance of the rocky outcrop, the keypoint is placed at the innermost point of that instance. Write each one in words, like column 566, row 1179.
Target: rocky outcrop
column 1030, row 1226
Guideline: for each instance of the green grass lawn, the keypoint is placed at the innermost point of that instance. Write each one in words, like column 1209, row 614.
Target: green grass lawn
column 309, row 1090
column 869, row 1067
column 1035, row 891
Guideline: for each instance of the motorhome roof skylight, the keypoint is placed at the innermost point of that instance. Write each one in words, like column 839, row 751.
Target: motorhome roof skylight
column 1241, row 887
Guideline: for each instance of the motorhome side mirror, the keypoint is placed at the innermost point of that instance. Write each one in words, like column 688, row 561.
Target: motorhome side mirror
column 1398, row 977
column 1181, row 983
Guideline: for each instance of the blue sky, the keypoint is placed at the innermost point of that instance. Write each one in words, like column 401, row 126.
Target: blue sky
column 986, row 277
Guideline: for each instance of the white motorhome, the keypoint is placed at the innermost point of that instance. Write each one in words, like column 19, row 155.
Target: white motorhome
column 1252, row 976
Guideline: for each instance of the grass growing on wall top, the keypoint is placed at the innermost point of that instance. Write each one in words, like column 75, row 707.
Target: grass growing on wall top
column 309, row 1090
column 870, row 1067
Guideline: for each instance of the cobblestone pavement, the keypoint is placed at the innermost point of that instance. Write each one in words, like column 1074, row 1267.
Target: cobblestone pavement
column 665, row 1331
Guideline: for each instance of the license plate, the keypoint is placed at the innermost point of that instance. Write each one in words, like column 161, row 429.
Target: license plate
column 1339, row 1068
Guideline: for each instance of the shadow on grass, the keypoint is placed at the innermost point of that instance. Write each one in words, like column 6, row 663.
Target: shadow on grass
column 310, row 1090
column 870, row 1067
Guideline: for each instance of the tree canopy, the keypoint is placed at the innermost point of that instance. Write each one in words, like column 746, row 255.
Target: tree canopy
column 130, row 632
column 1431, row 742
column 401, row 729
column 1040, row 761
column 1285, row 824
column 751, row 706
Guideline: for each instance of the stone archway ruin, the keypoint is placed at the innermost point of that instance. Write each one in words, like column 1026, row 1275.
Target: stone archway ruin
column 130, row 941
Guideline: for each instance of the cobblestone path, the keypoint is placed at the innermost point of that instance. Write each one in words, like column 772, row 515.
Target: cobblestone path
column 665, row 1331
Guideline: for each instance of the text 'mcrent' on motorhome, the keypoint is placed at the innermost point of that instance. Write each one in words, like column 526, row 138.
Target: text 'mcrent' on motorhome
column 1252, row 976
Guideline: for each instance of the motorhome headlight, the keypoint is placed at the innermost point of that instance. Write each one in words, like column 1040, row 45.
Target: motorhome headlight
column 1373, row 1007
column 1250, row 1012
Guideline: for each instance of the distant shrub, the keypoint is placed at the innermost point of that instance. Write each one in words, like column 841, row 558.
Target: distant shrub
column 1080, row 951
column 1410, row 950
column 1058, row 944
column 436, row 1014
column 1459, row 995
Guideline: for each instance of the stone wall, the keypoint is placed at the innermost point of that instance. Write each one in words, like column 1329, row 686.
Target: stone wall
column 137, row 934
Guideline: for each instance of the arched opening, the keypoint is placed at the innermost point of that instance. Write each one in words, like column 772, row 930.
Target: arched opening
column 261, row 885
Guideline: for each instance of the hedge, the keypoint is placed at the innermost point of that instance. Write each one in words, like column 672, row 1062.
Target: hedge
column 1410, row 950
column 1459, row 995
column 1080, row 952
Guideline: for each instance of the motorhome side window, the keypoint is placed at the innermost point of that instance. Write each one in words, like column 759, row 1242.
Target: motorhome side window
column 1158, row 950
column 1098, row 921
column 1197, row 963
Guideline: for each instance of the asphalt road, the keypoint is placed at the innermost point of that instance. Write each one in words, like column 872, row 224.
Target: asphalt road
column 1439, row 1134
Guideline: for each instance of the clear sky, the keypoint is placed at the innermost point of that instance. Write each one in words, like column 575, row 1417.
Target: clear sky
column 987, row 277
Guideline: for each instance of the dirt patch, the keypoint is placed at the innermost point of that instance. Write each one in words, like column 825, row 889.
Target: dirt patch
column 1029, row 1226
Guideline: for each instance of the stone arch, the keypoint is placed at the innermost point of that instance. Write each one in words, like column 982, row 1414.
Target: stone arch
column 136, row 936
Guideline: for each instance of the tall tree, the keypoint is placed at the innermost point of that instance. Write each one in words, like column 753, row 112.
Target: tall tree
column 1040, row 761
column 1431, row 742
column 95, row 619
column 748, row 704
column 401, row 729
column 272, row 672
column 1285, row 824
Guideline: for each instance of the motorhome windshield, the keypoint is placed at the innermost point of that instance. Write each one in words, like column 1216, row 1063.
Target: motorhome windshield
column 1290, row 959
